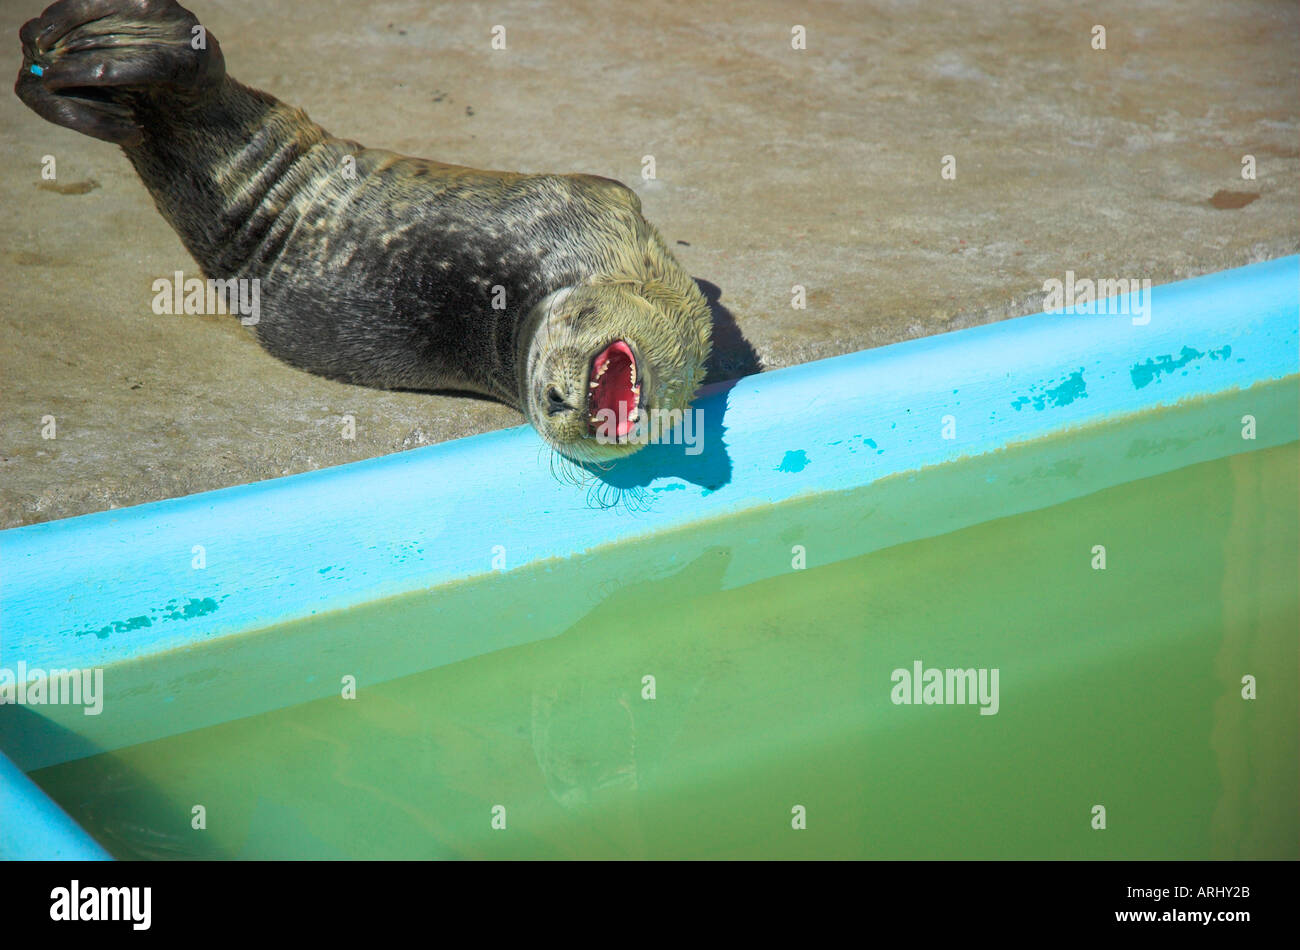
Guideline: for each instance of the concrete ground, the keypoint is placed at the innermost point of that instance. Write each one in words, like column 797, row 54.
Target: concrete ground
column 775, row 167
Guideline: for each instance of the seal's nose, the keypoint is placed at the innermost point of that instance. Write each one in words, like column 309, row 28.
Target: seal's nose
column 555, row 401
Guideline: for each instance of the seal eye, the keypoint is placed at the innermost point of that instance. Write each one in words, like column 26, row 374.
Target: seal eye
column 554, row 401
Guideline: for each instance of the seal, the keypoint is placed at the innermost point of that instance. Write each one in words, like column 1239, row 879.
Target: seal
column 550, row 293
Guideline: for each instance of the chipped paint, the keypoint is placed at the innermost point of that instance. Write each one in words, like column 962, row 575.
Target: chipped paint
column 1143, row 374
column 795, row 461
column 1067, row 391
column 192, row 609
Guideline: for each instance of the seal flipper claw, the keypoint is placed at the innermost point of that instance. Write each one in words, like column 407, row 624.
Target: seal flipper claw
column 108, row 121
column 85, row 63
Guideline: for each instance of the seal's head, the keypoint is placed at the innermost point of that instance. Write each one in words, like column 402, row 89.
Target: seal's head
column 606, row 357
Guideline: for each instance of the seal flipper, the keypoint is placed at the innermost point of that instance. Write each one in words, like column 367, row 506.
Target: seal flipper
column 145, row 75
column 87, row 64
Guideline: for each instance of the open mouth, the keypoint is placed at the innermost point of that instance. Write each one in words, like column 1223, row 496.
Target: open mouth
column 613, row 391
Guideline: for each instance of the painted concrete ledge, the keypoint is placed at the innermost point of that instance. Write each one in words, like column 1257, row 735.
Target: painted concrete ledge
column 109, row 586
column 33, row 828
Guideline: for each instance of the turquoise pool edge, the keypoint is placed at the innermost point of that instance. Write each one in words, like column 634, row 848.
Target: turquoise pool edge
column 188, row 570
column 48, row 834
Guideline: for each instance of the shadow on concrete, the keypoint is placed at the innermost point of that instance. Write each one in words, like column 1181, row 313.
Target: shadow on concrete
column 733, row 356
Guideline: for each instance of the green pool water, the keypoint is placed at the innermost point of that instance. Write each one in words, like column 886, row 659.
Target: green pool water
column 774, row 684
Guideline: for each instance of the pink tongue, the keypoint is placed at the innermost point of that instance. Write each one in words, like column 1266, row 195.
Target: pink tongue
column 614, row 386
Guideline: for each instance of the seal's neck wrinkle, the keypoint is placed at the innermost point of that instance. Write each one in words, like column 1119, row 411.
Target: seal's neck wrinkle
column 499, row 377
column 230, row 172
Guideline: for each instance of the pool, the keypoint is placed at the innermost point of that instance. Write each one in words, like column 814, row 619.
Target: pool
column 1024, row 590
